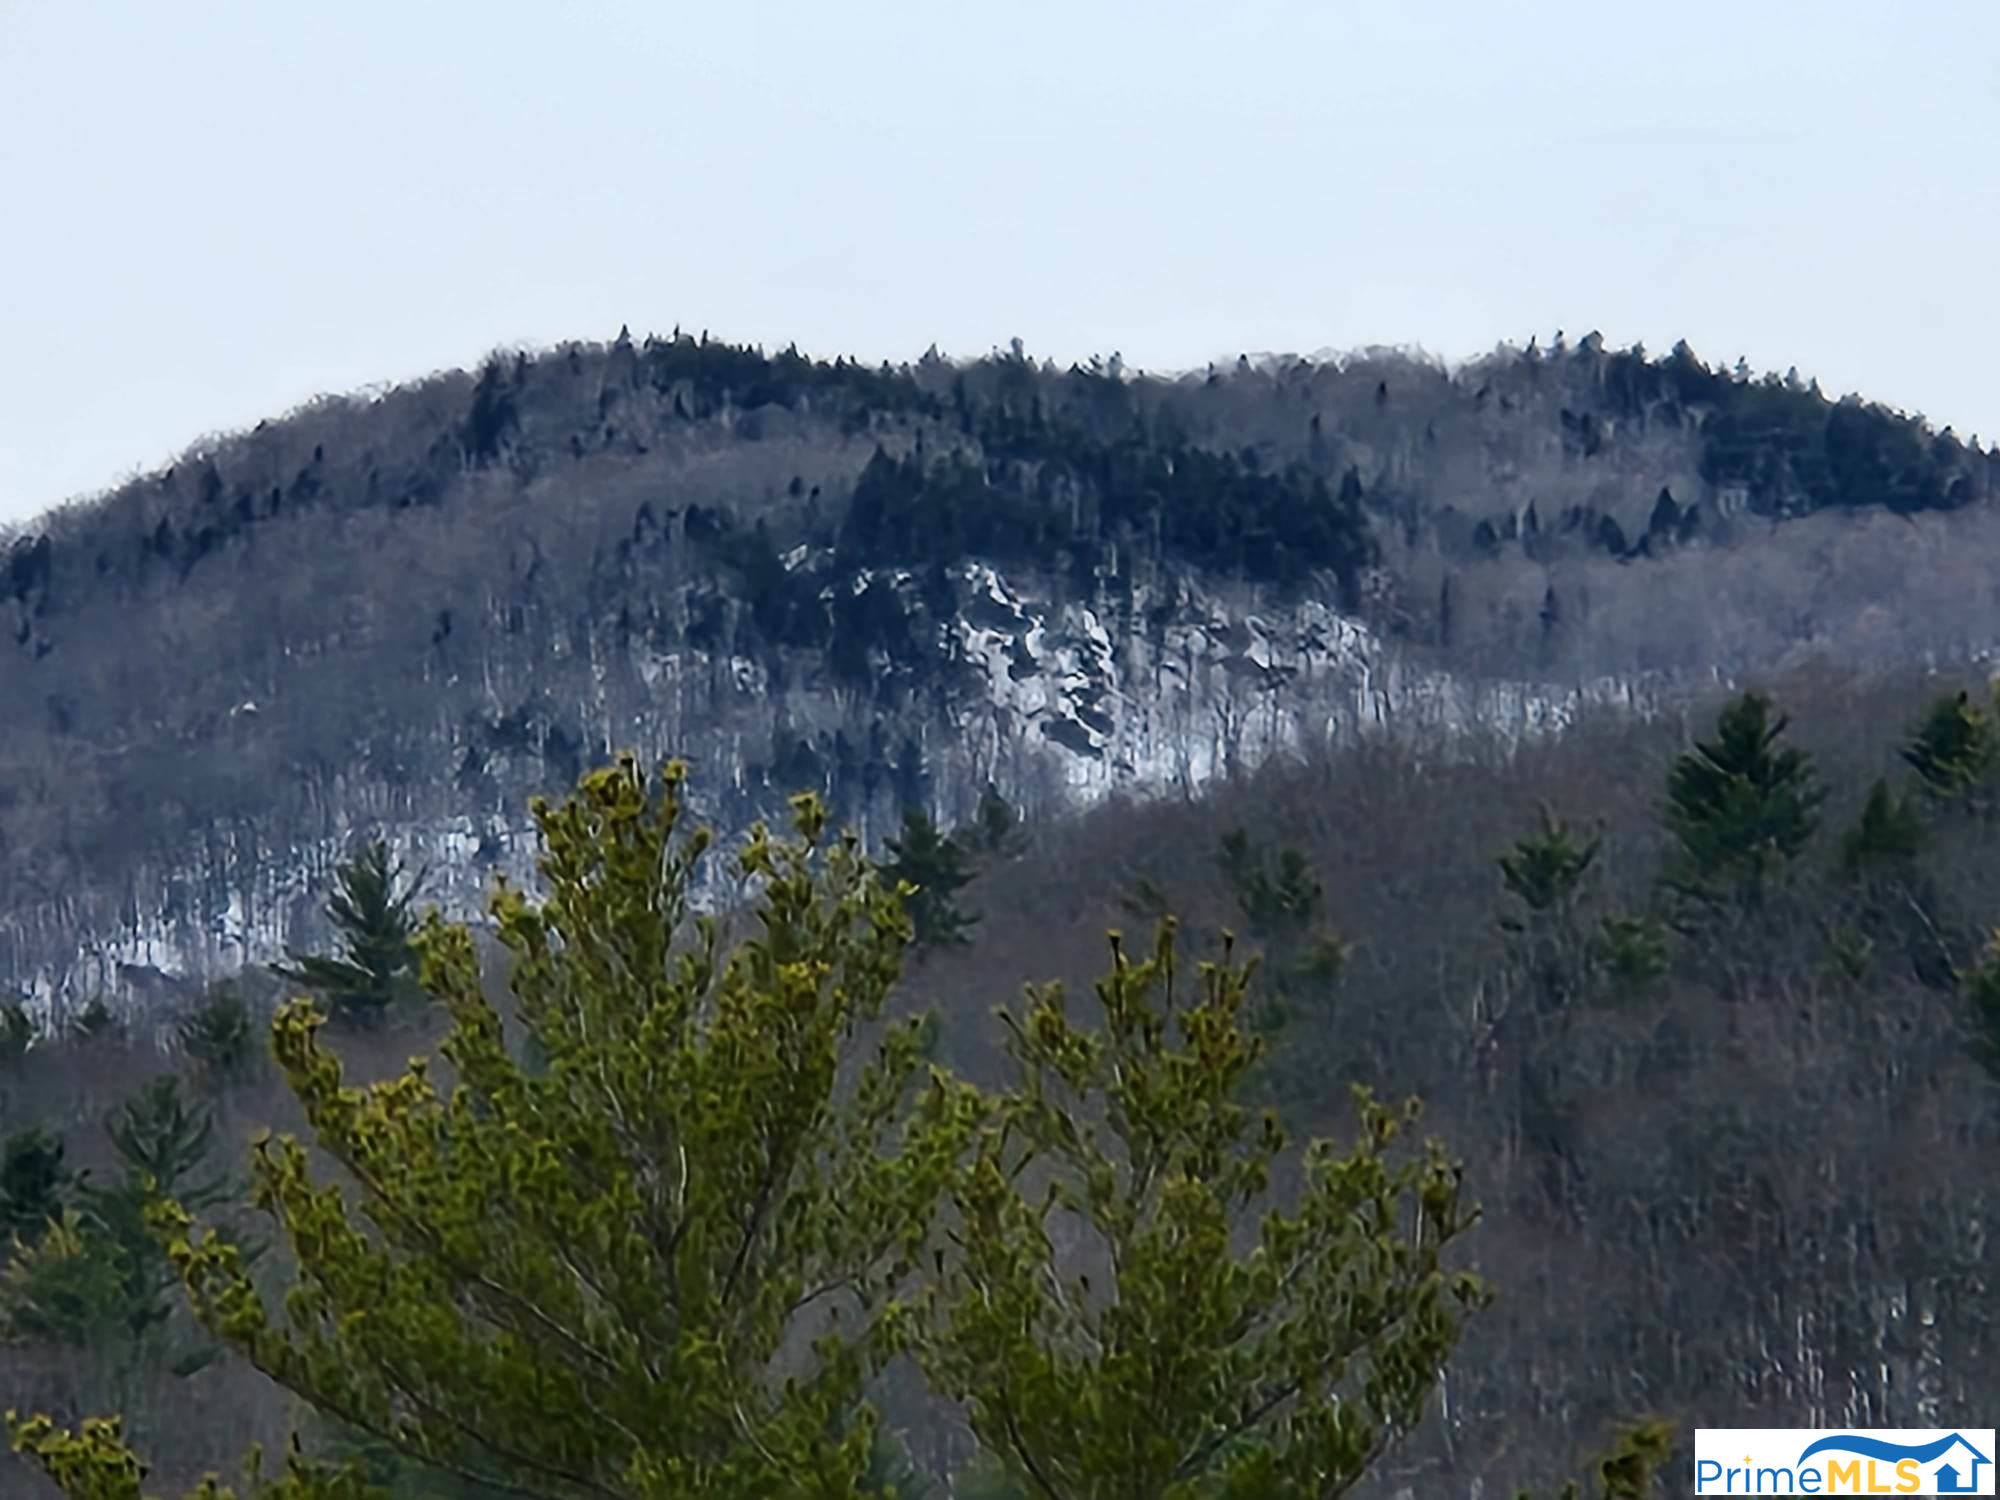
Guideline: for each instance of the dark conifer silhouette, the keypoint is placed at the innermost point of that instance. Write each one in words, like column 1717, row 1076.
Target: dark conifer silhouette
column 377, row 965
column 935, row 867
column 1741, row 807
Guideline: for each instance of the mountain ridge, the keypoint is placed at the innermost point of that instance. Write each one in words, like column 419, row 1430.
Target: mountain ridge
column 420, row 606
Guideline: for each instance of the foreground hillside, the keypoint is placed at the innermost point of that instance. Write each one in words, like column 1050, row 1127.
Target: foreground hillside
column 1721, row 1087
column 407, row 611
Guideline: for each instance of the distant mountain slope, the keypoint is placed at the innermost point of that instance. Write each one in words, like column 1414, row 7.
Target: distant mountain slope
column 894, row 583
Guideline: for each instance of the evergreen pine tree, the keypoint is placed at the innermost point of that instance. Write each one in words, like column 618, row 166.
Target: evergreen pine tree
column 1544, row 873
column 1633, row 950
column 67, row 1286
column 1887, row 904
column 63, row 1281
column 493, row 415
column 934, row 867
column 1740, row 808
column 891, row 1475
column 392, row 1474
column 1277, row 903
column 220, row 1035
column 378, row 963
column 1280, row 897
column 1191, row 1372
column 34, row 1182
column 97, row 1278
column 1954, row 749
column 164, row 1139
column 993, row 826
column 1888, row 833
column 986, row 1478
column 1554, row 947
column 1145, row 900
column 600, row 1280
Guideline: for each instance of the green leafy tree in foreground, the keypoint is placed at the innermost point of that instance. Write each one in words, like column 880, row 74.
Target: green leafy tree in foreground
column 341, row 1450
column 1740, row 808
column 891, row 1475
column 986, row 1478
column 656, row 1268
column 377, row 966
column 1193, row 1366
column 663, row 1264
column 93, row 1463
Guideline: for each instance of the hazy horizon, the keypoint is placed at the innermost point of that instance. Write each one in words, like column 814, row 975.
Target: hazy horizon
column 232, row 209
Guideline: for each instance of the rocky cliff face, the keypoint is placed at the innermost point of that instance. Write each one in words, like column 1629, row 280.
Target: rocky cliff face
column 1055, row 704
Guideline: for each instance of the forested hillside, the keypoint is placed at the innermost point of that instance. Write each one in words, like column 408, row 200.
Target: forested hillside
column 406, row 610
column 1706, row 1006
column 1698, row 988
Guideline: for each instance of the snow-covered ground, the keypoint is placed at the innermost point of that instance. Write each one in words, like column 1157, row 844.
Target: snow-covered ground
column 1064, row 702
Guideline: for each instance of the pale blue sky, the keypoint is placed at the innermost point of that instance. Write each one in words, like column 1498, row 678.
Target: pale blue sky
column 210, row 212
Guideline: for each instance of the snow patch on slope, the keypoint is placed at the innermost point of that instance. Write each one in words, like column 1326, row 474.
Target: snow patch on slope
column 1162, row 688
